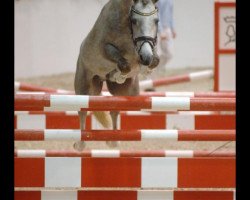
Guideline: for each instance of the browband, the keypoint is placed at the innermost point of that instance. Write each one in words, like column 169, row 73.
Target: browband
column 144, row 14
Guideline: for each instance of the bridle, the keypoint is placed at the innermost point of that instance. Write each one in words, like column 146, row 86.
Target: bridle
column 152, row 41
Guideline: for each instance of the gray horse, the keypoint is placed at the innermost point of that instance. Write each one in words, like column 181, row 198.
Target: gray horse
column 121, row 45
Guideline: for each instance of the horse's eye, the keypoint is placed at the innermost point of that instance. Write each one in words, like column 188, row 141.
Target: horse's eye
column 134, row 21
column 156, row 21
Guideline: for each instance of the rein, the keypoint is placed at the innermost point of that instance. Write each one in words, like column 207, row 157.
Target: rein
column 152, row 41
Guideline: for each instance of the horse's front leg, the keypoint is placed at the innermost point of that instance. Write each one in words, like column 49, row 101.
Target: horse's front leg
column 119, row 75
column 129, row 88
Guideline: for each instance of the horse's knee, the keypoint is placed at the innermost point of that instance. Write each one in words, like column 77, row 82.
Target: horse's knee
column 129, row 88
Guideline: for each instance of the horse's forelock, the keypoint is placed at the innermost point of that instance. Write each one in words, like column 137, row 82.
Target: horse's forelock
column 144, row 3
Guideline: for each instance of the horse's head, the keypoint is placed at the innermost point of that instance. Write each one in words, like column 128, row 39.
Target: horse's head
column 144, row 24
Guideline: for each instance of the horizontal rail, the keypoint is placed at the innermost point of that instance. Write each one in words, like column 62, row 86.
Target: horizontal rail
column 95, row 103
column 121, row 135
column 121, row 153
column 126, row 194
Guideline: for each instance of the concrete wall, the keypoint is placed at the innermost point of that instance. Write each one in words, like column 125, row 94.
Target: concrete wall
column 48, row 34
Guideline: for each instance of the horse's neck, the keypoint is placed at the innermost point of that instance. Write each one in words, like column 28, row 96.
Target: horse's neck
column 118, row 12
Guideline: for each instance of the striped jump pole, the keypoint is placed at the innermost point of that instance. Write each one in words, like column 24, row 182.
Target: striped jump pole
column 159, row 94
column 128, row 120
column 145, row 173
column 121, row 135
column 120, row 153
column 125, row 195
column 190, row 94
column 143, row 84
column 129, row 113
column 101, row 103
column 34, row 88
column 149, row 84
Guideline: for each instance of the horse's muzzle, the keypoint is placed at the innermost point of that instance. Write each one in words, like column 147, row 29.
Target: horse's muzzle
column 146, row 59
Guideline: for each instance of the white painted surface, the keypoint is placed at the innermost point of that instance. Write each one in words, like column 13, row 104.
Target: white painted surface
column 159, row 172
column 146, row 84
column 71, row 113
column 17, row 86
column 31, row 153
column 69, row 101
column 58, row 195
column 182, row 154
column 201, row 75
column 227, row 28
column 227, row 72
column 105, row 153
column 181, row 122
column 48, row 34
column 62, row 134
column 159, row 134
column 31, row 122
column 170, row 103
column 62, row 172
column 155, row 195
column 179, row 94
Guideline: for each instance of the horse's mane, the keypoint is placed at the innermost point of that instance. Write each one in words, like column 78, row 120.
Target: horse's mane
column 120, row 10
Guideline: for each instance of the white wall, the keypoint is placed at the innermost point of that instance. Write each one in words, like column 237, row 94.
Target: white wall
column 48, row 34
column 194, row 45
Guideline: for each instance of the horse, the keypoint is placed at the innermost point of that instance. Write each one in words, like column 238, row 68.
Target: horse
column 121, row 45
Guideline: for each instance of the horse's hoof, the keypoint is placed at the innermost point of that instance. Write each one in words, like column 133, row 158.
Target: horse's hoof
column 120, row 78
column 79, row 146
column 113, row 144
column 145, row 70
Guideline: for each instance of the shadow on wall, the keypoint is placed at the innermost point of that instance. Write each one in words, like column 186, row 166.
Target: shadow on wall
column 48, row 34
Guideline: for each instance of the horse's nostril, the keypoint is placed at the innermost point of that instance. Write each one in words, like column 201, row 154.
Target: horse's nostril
column 141, row 57
column 146, row 60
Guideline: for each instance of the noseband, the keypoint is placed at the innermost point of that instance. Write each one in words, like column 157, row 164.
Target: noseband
column 152, row 41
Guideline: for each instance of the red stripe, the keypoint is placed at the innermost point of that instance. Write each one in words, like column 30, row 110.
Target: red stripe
column 143, row 154
column 113, row 135
column 107, row 195
column 203, row 195
column 66, row 153
column 214, row 154
column 223, row 104
column 207, row 135
column 216, row 46
column 206, row 172
column 34, row 88
column 27, row 135
column 111, row 172
column 215, row 94
column 62, row 122
column 171, row 80
column 131, row 122
column 32, row 100
column 28, row 108
column 27, row 195
column 120, row 103
column 29, row 172
column 215, row 122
